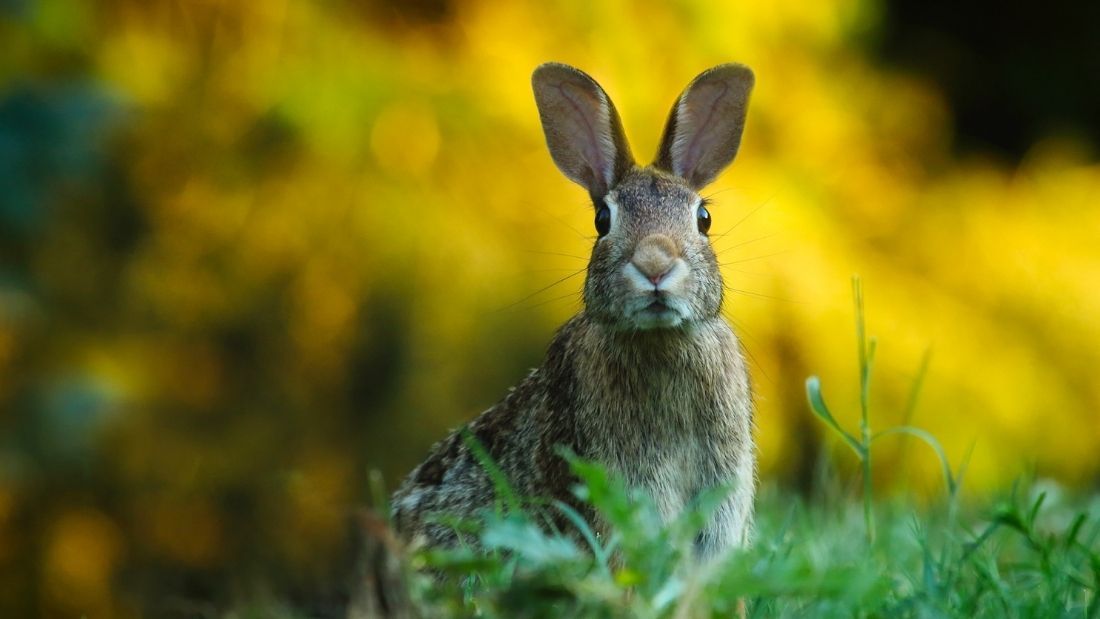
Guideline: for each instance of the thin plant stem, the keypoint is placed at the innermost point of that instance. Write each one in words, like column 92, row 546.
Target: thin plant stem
column 866, row 358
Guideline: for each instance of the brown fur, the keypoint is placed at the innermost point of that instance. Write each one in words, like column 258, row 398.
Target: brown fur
column 648, row 380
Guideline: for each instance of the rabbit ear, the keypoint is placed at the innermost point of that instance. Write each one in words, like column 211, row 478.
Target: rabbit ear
column 704, row 128
column 583, row 131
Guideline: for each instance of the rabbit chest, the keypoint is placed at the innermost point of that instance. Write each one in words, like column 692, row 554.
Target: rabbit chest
column 671, row 412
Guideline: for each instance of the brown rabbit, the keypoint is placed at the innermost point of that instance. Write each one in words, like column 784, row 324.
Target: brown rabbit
column 648, row 380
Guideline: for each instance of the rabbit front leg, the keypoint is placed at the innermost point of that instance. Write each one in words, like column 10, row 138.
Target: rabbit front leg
column 730, row 526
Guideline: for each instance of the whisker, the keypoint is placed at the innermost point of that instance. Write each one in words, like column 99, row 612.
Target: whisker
column 742, row 331
column 778, row 253
column 548, row 270
column 742, row 220
column 759, row 238
column 750, row 293
column 748, row 273
column 561, row 220
column 719, row 192
column 553, row 253
column 544, row 289
column 586, row 205
column 548, row 301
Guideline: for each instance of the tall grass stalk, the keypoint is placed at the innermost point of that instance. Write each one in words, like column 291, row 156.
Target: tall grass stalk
column 866, row 358
column 862, row 446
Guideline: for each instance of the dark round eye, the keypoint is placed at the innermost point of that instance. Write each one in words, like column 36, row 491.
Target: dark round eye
column 704, row 219
column 603, row 220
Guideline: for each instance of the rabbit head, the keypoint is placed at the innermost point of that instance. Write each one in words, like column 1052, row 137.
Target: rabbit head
column 652, row 266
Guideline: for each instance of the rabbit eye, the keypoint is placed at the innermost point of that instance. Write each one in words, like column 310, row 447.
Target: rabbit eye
column 603, row 220
column 703, row 217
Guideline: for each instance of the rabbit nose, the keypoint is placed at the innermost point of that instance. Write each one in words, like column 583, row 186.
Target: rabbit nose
column 655, row 256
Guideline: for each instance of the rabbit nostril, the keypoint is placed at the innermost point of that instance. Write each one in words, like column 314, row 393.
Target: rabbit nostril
column 655, row 257
column 653, row 271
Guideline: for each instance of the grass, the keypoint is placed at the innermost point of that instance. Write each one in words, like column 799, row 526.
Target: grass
column 1031, row 552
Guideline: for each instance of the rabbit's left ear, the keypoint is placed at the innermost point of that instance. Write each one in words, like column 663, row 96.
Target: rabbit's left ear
column 704, row 128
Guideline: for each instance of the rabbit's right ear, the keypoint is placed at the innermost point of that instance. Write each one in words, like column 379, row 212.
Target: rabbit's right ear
column 583, row 130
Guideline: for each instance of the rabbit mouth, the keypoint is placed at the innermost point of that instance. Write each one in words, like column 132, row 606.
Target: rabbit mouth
column 656, row 312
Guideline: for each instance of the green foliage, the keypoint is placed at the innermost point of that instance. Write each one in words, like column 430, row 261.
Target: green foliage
column 1031, row 554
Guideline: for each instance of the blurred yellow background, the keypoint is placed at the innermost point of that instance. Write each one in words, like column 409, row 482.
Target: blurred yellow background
column 253, row 249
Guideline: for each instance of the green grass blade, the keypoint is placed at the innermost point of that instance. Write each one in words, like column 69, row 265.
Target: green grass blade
column 866, row 357
column 1033, row 513
column 916, row 387
column 931, row 441
column 911, row 408
column 817, row 405
column 500, row 481
column 602, row 554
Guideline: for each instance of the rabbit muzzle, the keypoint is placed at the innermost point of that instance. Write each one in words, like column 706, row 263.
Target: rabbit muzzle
column 656, row 274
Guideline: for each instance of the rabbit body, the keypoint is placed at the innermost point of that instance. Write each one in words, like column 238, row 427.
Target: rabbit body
column 648, row 380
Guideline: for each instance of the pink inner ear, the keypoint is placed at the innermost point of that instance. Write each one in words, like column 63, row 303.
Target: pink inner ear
column 584, row 125
column 695, row 117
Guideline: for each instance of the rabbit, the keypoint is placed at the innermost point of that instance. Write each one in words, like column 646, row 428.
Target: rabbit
column 648, row 380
